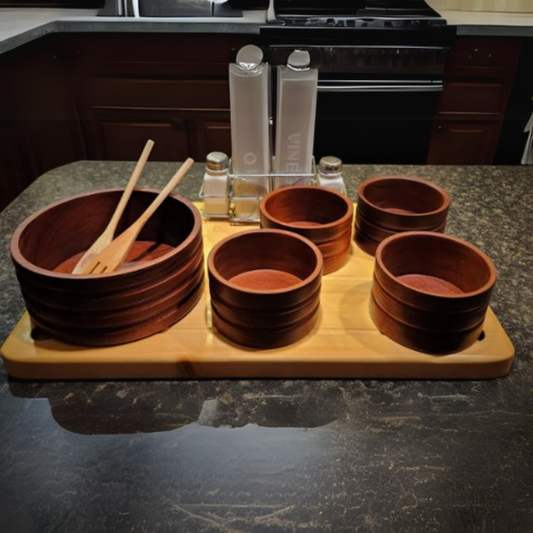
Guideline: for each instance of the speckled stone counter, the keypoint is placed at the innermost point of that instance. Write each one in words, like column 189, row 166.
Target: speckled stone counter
column 19, row 26
column 281, row 455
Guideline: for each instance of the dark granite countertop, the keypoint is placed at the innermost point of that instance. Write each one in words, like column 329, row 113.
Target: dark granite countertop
column 22, row 25
column 281, row 455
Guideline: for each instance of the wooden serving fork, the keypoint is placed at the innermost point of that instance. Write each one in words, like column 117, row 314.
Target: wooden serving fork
column 113, row 255
column 107, row 235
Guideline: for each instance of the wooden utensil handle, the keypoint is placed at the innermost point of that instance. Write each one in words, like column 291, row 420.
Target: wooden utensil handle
column 113, row 223
column 141, row 221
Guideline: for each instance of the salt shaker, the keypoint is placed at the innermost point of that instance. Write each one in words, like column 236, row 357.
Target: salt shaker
column 216, row 185
column 330, row 174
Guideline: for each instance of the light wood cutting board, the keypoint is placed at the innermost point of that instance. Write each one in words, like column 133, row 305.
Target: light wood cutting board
column 344, row 344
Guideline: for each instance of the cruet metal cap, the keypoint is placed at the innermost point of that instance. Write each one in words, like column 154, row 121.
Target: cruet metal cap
column 217, row 161
column 330, row 164
column 249, row 57
column 299, row 60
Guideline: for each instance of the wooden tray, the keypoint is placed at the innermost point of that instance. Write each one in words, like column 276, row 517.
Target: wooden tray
column 345, row 344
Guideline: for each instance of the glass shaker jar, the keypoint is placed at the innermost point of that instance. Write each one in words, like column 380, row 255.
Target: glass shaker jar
column 330, row 174
column 215, row 190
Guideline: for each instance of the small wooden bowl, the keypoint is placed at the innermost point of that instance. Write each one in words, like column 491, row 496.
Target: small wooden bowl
column 265, row 287
column 401, row 203
column 431, row 291
column 323, row 216
column 159, row 283
column 391, row 204
column 368, row 235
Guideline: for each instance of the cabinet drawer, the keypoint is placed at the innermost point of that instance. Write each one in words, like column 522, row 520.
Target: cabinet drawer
column 465, row 97
column 123, row 141
column 162, row 93
column 463, row 143
column 485, row 52
column 120, row 133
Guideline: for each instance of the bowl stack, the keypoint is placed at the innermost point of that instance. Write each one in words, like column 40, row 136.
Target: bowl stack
column 388, row 205
column 160, row 282
column 323, row 216
column 430, row 292
column 265, row 287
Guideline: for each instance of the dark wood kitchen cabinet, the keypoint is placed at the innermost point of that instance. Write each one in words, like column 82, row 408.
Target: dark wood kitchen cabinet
column 170, row 88
column 76, row 96
column 471, row 109
column 13, row 179
column 39, row 128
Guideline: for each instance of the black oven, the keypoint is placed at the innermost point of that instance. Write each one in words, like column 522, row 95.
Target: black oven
column 380, row 73
column 74, row 4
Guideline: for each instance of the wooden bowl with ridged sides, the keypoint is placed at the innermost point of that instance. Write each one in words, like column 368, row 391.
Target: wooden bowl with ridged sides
column 391, row 204
column 159, row 283
column 323, row 216
column 265, row 287
column 430, row 291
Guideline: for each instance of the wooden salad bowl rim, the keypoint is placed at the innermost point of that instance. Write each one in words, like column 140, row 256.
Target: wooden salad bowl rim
column 345, row 218
column 390, row 241
column 316, row 272
column 365, row 185
column 19, row 258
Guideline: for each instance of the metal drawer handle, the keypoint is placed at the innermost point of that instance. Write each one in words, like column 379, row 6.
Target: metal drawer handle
column 379, row 88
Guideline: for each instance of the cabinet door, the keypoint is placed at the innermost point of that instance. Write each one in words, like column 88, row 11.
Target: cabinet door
column 462, row 143
column 210, row 134
column 484, row 57
column 471, row 109
column 39, row 129
column 122, row 134
column 13, row 174
column 172, row 88
column 43, row 105
column 473, row 97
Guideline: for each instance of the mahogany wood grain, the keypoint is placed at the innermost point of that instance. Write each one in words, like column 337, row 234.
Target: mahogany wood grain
column 401, row 203
column 425, row 283
column 323, row 216
column 263, row 337
column 368, row 235
column 259, row 318
column 391, row 204
column 431, row 291
column 265, row 279
column 265, row 287
column 160, row 283
column 344, row 343
column 364, row 242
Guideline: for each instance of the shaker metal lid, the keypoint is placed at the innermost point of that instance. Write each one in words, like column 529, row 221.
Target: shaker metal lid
column 249, row 57
column 217, row 161
column 330, row 164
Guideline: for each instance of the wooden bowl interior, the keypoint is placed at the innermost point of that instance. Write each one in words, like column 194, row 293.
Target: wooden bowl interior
column 402, row 196
column 261, row 254
column 435, row 265
column 305, row 206
column 59, row 233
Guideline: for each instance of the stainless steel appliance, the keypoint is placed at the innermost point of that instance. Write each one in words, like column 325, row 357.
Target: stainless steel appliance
column 381, row 65
column 170, row 8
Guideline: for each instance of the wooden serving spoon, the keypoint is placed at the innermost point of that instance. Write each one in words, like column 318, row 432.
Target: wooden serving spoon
column 111, row 257
column 107, row 235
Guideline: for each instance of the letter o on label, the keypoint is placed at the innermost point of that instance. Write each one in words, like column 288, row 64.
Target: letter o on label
column 250, row 158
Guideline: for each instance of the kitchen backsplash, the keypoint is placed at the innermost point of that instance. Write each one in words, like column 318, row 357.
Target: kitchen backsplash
column 504, row 6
